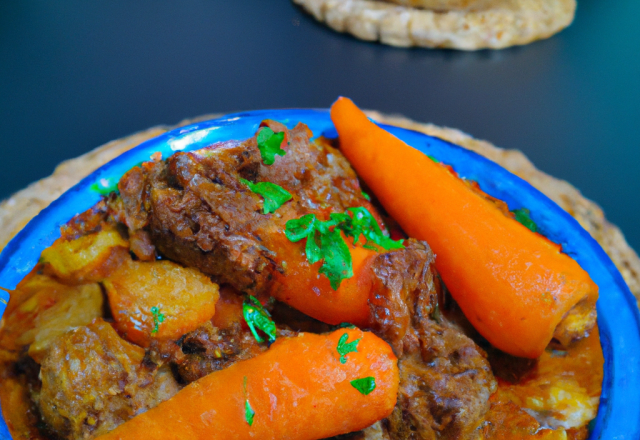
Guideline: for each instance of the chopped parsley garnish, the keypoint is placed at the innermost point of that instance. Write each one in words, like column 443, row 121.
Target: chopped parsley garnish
column 345, row 325
column 332, row 249
column 523, row 215
column 158, row 318
column 104, row 187
column 325, row 242
column 258, row 318
column 274, row 195
column 249, row 413
column 433, row 158
column 366, row 196
column 365, row 224
column 337, row 264
column 269, row 145
column 365, row 385
column 344, row 347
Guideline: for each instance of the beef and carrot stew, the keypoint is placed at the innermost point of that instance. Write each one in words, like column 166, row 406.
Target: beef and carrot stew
column 262, row 289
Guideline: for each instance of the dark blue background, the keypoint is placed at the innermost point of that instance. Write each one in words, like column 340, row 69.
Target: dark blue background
column 76, row 74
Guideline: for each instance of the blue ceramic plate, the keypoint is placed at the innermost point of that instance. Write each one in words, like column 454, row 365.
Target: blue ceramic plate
column 618, row 318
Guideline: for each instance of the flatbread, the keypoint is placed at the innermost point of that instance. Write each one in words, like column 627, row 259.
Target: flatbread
column 448, row 5
column 16, row 211
column 495, row 25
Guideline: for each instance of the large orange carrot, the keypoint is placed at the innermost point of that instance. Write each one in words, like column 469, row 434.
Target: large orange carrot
column 302, row 287
column 302, row 388
column 514, row 286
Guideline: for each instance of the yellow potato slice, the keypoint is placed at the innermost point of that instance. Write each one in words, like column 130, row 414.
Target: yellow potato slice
column 90, row 258
column 160, row 300
column 41, row 309
column 79, row 307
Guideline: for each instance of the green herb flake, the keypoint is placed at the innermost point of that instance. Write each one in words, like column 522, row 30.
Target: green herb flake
column 345, row 325
column 344, row 347
column 523, row 216
column 325, row 242
column 366, row 196
column 300, row 228
column 433, row 158
column 158, row 318
column 258, row 318
column 337, row 264
column 274, row 195
column 269, row 145
column 249, row 413
column 104, row 187
column 365, row 385
column 365, row 224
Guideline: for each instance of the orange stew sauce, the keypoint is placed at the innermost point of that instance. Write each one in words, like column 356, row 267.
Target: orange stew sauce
column 563, row 382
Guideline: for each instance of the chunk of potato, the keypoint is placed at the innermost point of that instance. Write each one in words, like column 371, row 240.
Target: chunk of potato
column 77, row 308
column 33, row 295
column 41, row 309
column 90, row 258
column 160, row 300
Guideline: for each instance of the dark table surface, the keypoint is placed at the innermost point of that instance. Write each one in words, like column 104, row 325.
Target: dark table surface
column 76, row 74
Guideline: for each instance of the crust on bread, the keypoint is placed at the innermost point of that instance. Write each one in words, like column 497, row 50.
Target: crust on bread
column 16, row 211
column 492, row 24
column 450, row 5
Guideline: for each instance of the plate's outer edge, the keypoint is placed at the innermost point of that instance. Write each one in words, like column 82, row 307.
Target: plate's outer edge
column 618, row 317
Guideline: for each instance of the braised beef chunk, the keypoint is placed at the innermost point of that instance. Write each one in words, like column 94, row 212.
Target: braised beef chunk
column 210, row 349
column 403, row 295
column 92, row 381
column 444, row 390
column 200, row 214
column 445, row 379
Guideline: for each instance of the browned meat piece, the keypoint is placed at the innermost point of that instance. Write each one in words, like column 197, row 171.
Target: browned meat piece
column 87, row 222
column 209, row 349
column 92, row 381
column 404, row 295
column 446, row 394
column 445, row 379
column 199, row 213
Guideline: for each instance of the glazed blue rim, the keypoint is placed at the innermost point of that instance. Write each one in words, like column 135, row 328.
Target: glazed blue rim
column 618, row 317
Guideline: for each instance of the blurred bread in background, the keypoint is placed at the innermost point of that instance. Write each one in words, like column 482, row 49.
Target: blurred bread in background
column 450, row 5
column 452, row 24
